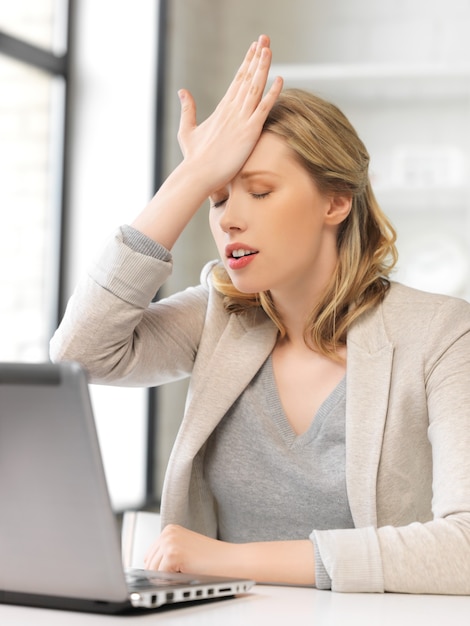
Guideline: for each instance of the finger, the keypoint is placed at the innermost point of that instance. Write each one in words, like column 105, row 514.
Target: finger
column 262, row 44
column 248, row 66
column 266, row 104
column 262, row 48
column 256, row 83
column 242, row 70
column 162, row 561
column 148, row 559
column 153, row 556
column 253, row 81
column 153, row 561
column 169, row 564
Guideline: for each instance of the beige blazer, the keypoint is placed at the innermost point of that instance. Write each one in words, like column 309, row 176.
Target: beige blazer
column 407, row 421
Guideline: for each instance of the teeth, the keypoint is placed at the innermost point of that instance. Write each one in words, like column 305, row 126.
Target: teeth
column 239, row 253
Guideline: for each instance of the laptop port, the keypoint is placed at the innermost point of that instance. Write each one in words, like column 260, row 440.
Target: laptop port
column 170, row 596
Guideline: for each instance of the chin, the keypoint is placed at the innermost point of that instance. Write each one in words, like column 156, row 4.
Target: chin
column 245, row 286
column 249, row 281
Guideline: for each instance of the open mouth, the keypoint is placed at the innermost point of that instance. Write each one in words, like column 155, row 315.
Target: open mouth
column 238, row 254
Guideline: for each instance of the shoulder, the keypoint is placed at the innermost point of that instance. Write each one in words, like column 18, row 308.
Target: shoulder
column 206, row 274
column 423, row 316
column 406, row 301
column 412, row 319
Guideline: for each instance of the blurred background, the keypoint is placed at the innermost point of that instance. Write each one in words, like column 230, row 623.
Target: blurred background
column 88, row 121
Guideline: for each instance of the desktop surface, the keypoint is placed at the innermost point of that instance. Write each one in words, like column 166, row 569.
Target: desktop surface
column 275, row 606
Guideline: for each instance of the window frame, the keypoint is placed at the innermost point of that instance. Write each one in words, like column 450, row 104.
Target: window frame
column 55, row 65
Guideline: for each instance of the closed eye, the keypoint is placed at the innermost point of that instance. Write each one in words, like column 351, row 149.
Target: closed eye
column 218, row 203
column 260, row 196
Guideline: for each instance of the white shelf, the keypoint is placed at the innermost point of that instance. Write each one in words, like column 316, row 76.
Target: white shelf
column 399, row 199
column 378, row 81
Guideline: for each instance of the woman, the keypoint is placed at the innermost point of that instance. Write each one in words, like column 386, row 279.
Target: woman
column 326, row 437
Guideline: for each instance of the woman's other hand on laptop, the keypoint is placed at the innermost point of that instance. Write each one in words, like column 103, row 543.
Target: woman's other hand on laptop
column 178, row 549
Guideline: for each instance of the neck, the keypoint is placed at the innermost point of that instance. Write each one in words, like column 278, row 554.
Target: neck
column 296, row 300
column 295, row 307
column 294, row 316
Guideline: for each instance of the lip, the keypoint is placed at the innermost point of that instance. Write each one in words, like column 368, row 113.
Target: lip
column 237, row 246
column 241, row 262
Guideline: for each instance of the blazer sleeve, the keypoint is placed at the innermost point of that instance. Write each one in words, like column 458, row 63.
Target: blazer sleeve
column 112, row 328
column 433, row 556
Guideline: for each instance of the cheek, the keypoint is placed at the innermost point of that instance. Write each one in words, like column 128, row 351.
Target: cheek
column 303, row 234
column 213, row 224
column 300, row 226
column 216, row 232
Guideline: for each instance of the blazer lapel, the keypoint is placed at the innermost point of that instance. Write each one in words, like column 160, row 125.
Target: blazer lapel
column 237, row 357
column 369, row 366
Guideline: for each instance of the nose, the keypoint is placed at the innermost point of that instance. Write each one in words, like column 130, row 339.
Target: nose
column 232, row 217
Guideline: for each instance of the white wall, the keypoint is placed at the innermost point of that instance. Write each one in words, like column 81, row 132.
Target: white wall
column 112, row 120
column 110, row 174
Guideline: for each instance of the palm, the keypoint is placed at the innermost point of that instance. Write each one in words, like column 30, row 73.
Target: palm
column 224, row 141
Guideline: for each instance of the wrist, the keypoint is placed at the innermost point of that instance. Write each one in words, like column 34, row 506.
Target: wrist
column 173, row 205
column 196, row 178
column 288, row 562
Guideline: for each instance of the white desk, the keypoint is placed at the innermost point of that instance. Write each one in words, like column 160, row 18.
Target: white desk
column 276, row 606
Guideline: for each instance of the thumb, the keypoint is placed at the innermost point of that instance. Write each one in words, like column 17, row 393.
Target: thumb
column 187, row 117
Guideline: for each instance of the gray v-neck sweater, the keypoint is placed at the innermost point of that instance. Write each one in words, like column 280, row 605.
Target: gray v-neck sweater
column 269, row 483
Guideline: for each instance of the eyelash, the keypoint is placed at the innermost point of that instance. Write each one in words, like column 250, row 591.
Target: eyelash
column 256, row 196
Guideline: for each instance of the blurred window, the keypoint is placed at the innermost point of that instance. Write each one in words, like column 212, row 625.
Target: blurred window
column 39, row 22
column 32, row 105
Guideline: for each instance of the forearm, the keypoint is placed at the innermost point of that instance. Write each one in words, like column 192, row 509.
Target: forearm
column 288, row 562
column 178, row 549
column 173, row 206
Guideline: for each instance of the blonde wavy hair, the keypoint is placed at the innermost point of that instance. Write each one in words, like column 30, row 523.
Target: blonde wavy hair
column 328, row 147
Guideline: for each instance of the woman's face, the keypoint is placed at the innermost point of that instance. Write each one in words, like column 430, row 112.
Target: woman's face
column 273, row 228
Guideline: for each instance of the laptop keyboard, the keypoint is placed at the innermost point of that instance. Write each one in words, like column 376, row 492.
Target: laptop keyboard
column 141, row 579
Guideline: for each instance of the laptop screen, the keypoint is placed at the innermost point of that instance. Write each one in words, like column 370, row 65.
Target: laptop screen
column 58, row 533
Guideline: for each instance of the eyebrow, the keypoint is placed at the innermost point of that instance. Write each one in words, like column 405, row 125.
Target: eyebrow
column 251, row 174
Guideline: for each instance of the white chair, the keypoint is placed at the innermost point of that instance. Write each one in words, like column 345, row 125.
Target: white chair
column 139, row 531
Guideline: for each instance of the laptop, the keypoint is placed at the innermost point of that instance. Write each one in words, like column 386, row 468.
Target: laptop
column 59, row 539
